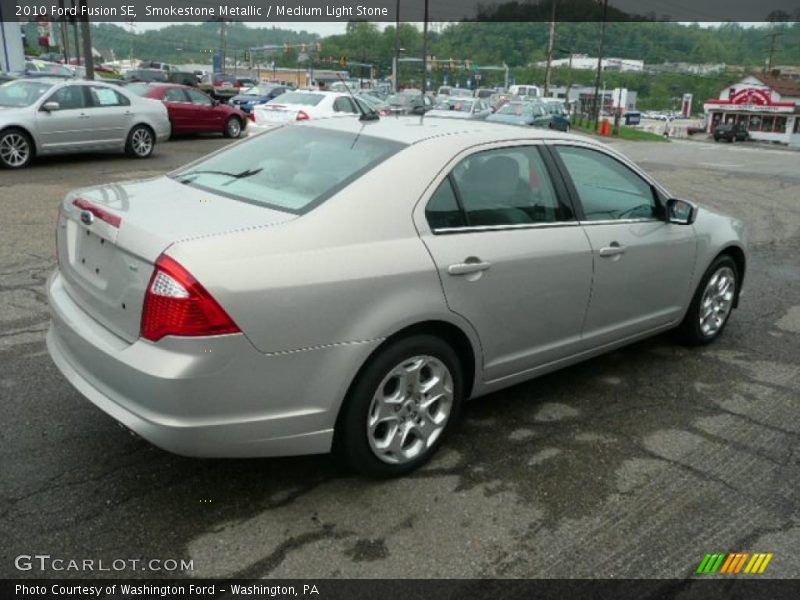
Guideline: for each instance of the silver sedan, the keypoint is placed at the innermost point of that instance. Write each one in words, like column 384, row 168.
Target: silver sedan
column 344, row 286
column 52, row 116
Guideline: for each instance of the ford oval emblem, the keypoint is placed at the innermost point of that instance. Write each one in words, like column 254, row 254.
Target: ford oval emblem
column 87, row 218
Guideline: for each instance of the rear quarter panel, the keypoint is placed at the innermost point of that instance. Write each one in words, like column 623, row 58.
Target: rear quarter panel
column 354, row 269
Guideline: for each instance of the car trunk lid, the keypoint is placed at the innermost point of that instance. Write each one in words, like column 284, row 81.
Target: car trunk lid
column 108, row 239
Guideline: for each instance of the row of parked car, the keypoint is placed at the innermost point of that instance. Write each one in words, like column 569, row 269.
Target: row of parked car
column 49, row 115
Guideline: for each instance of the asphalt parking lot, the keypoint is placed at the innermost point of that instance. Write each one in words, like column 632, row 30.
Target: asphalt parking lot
column 634, row 464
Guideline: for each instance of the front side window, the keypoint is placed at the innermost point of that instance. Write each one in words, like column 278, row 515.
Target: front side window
column 292, row 169
column 174, row 95
column 607, row 188
column 69, row 97
column 196, row 97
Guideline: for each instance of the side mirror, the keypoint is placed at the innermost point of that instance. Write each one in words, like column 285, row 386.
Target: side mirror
column 215, row 102
column 681, row 212
column 51, row 106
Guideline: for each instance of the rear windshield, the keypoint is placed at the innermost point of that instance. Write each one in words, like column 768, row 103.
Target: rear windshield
column 292, row 168
column 303, row 98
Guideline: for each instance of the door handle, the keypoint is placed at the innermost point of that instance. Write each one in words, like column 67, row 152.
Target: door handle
column 468, row 266
column 613, row 249
column 83, row 116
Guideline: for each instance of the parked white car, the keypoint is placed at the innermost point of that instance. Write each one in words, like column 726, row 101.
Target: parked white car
column 303, row 105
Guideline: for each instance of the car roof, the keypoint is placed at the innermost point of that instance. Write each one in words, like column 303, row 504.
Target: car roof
column 413, row 130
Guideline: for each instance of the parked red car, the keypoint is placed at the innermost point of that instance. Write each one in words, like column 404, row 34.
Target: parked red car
column 192, row 111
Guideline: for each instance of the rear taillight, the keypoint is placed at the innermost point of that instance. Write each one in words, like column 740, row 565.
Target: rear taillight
column 252, row 115
column 302, row 116
column 176, row 304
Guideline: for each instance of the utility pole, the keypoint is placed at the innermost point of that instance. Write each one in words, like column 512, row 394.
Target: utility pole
column 223, row 43
column 600, row 65
column 424, row 58
column 74, row 22
column 64, row 34
column 88, row 57
column 774, row 35
column 550, row 50
column 395, row 63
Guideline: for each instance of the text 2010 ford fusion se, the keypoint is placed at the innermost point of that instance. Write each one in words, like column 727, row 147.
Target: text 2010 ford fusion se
column 345, row 286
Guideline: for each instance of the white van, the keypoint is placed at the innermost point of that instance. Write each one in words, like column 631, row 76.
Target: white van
column 525, row 90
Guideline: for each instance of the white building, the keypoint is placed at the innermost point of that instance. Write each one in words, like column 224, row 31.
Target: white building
column 12, row 53
column 767, row 104
column 586, row 62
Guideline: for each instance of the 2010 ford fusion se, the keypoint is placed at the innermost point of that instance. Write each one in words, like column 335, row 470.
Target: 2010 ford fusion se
column 344, row 286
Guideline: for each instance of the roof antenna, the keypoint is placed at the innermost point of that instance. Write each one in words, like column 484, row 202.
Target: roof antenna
column 365, row 116
column 424, row 61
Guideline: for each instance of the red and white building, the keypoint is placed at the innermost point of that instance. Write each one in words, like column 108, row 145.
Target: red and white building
column 767, row 104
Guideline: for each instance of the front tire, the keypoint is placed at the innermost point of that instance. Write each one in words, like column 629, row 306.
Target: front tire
column 141, row 142
column 233, row 128
column 400, row 407
column 16, row 149
column 712, row 303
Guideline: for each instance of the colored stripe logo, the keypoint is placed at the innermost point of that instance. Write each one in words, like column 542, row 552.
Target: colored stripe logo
column 733, row 563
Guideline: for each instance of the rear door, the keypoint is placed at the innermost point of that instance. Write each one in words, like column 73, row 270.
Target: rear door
column 642, row 264
column 181, row 111
column 111, row 115
column 70, row 127
column 511, row 256
column 202, row 111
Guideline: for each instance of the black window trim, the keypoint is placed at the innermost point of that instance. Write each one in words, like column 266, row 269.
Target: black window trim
column 658, row 197
column 562, row 196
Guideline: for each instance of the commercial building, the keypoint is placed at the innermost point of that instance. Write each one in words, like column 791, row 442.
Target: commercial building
column 588, row 63
column 581, row 98
column 767, row 104
column 12, row 52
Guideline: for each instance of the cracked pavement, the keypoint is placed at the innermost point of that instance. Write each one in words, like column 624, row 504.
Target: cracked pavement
column 634, row 464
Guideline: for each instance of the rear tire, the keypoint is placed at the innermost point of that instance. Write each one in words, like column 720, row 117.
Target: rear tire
column 712, row 303
column 233, row 128
column 141, row 142
column 400, row 407
column 16, row 148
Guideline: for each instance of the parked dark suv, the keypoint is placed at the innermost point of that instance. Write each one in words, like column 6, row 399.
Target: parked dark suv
column 731, row 132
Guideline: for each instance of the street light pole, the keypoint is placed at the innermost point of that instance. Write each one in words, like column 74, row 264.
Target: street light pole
column 599, row 65
column 424, row 58
column 550, row 50
column 88, row 58
column 395, row 63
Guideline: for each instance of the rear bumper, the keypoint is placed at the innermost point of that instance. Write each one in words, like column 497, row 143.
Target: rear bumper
column 213, row 397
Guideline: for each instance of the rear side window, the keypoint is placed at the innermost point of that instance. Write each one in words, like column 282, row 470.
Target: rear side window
column 103, row 96
column 607, row 188
column 501, row 187
column 443, row 211
column 291, row 168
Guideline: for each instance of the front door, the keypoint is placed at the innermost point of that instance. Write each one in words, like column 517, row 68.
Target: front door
column 642, row 264
column 70, row 127
column 511, row 257
column 203, row 111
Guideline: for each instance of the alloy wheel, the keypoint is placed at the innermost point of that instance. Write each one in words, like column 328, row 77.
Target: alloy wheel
column 717, row 301
column 142, row 142
column 234, row 129
column 410, row 409
column 14, row 149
